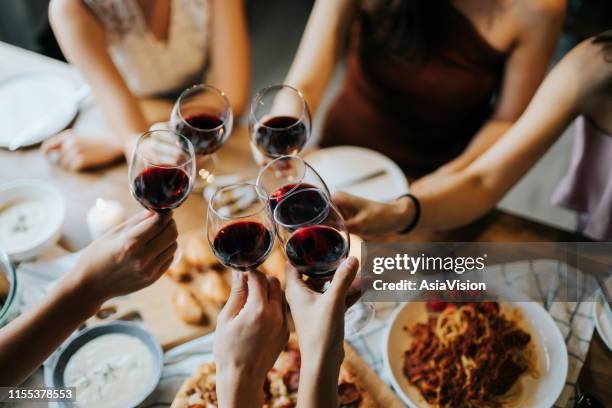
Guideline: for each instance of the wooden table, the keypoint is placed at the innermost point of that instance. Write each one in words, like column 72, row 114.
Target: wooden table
column 81, row 191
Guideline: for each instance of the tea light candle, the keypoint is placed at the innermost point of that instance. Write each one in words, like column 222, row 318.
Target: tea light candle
column 103, row 216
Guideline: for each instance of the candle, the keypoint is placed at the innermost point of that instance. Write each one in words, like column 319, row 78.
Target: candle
column 103, row 216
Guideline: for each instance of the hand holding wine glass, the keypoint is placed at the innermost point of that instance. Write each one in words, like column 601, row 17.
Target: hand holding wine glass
column 161, row 170
column 251, row 331
column 316, row 241
column 320, row 338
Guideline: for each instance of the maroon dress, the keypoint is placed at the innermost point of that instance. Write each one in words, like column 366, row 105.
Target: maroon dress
column 421, row 115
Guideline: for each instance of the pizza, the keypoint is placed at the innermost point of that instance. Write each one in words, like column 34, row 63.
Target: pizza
column 280, row 387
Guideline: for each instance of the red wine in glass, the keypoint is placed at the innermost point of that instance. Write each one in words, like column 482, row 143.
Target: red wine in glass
column 243, row 245
column 316, row 250
column 204, row 131
column 161, row 188
column 281, row 135
column 310, row 205
column 279, row 194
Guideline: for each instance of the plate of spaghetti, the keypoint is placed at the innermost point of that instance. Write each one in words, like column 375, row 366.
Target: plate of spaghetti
column 475, row 355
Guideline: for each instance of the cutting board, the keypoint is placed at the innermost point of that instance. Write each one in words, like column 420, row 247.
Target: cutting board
column 382, row 394
column 154, row 306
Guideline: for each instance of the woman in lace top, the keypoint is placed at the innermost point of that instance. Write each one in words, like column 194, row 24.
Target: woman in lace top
column 130, row 49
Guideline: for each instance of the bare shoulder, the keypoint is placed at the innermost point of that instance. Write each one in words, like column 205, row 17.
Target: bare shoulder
column 66, row 8
column 539, row 14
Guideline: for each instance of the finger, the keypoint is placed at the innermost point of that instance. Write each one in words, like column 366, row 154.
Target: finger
column 67, row 156
column 258, row 290
column 343, row 278
column 137, row 218
column 238, row 296
column 355, row 224
column 159, row 271
column 293, row 281
column 354, row 292
column 166, row 255
column 162, row 240
column 76, row 163
column 275, row 293
column 54, row 143
column 148, row 228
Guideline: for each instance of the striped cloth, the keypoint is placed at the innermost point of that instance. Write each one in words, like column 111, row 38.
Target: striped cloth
column 574, row 320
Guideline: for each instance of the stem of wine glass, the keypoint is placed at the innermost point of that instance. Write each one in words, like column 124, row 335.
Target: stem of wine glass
column 205, row 168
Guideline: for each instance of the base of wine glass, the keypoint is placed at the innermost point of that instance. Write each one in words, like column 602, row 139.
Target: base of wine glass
column 205, row 168
column 356, row 318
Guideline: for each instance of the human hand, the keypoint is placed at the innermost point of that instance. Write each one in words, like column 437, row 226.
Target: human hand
column 367, row 217
column 77, row 152
column 319, row 317
column 251, row 332
column 129, row 257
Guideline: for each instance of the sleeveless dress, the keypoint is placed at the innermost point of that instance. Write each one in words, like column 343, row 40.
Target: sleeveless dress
column 421, row 115
column 148, row 65
column 587, row 187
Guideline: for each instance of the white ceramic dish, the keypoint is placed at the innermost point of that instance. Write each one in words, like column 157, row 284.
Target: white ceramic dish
column 537, row 393
column 31, row 217
column 603, row 324
column 340, row 165
column 131, row 329
column 26, row 98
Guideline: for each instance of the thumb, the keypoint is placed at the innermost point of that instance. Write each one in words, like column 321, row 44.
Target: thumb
column 238, row 296
column 343, row 278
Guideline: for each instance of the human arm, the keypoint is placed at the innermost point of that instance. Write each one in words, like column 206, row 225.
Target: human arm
column 457, row 198
column 229, row 53
column 322, row 43
column 321, row 339
column 83, row 41
column 129, row 257
column 539, row 24
column 251, row 331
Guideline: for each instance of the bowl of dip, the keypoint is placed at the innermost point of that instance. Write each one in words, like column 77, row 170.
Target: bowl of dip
column 8, row 290
column 112, row 365
column 31, row 217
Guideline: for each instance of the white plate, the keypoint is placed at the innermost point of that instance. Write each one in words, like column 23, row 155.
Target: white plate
column 340, row 164
column 26, row 98
column 602, row 322
column 31, row 217
column 537, row 393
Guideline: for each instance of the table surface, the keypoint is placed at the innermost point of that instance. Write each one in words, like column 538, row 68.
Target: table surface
column 81, row 190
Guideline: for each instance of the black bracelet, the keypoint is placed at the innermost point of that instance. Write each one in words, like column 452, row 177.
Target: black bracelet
column 417, row 213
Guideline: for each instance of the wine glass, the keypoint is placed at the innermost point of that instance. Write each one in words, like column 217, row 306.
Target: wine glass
column 239, row 229
column 284, row 175
column 279, row 121
column 203, row 114
column 315, row 240
column 161, row 170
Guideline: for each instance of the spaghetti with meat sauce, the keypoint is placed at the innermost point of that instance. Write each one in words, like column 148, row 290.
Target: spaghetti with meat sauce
column 469, row 355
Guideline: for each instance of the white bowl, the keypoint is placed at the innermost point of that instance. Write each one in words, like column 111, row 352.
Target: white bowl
column 31, row 217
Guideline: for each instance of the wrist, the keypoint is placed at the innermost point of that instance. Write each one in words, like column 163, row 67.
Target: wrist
column 76, row 291
column 404, row 211
column 239, row 388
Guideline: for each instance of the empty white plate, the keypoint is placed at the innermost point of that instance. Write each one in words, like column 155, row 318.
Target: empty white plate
column 359, row 171
column 26, row 98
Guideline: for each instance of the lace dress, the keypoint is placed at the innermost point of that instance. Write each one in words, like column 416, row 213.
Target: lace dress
column 148, row 65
